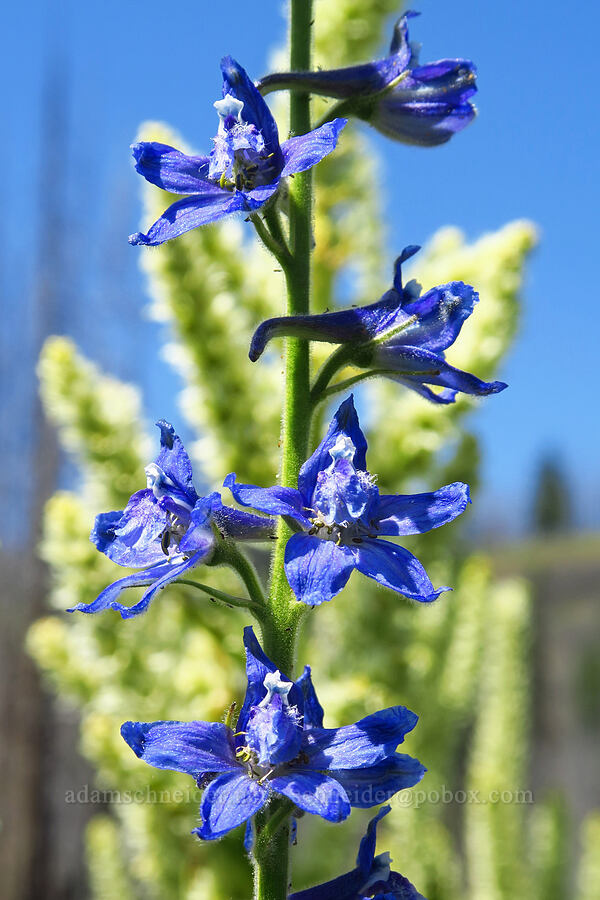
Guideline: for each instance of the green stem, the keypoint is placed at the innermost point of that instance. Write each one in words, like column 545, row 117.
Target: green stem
column 280, row 639
column 347, row 383
column 280, row 628
column 271, row 871
column 338, row 359
column 222, row 596
column 275, row 246
column 273, row 220
column 228, row 554
column 277, row 814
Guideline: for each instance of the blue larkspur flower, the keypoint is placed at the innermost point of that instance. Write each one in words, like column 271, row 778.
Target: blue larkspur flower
column 244, row 169
column 372, row 877
column 412, row 103
column 343, row 518
column 281, row 747
column 166, row 529
column 403, row 336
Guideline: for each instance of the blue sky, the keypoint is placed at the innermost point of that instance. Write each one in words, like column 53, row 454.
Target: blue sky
column 532, row 153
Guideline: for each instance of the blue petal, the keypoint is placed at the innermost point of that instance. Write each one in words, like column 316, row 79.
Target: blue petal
column 273, row 732
column 317, row 570
column 177, row 571
column 399, row 888
column 413, row 367
column 174, row 460
column 157, row 577
column 344, row 422
column 135, row 540
column 107, row 599
column 199, row 536
column 195, row 748
column 240, row 526
column 255, row 198
column 170, row 169
column 256, row 112
column 440, row 398
column 103, row 532
column 344, row 887
column 227, row 802
column 279, row 501
column 366, row 850
column 428, row 104
column 344, row 495
column 306, row 150
column 313, row 711
column 212, row 204
column 315, row 793
column 258, row 666
column 398, row 514
column 363, row 744
column 372, row 785
column 440, row 314
column 394, row 567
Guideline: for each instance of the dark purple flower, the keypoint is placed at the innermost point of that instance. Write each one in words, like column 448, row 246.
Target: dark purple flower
column 281, row 747
column 343, row 517
column 403, row 336
column 415, row 104
column 372, row 877
column 244, row 169
column 166, row 529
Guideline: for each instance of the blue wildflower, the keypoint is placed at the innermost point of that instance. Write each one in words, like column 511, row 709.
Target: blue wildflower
column 281, row 747
column 415, row 104
column 372, row 877
column 244, row 169
column 403, row 336
column 343, row 517
column 166, row 529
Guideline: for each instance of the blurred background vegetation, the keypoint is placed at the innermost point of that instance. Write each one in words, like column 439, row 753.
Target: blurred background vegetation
column 504, row 676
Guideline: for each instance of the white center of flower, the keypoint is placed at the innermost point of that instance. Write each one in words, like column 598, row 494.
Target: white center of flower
column 229, row 106
column 161, row 485
column 276, row 685
column 343, row 448
column 380, row 871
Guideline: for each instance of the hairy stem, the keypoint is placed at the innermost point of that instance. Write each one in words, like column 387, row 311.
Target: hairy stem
column 222, row 597
column 228, row 554
column 339, row 359
column 281, row 627
column 275, row 243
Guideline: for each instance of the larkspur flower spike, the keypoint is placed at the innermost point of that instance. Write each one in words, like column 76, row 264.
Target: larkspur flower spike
column 279, row 746
column 244, row 169
column 166, row 529
column 408, row 102
column 372, row 878
column 341, row 519
column 402, row 336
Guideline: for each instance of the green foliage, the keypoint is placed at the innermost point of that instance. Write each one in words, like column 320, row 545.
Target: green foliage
column 550, row 849
column 588, row 882
column 461, row 663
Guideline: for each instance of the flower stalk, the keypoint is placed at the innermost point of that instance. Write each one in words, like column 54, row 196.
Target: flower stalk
column 281, row 628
